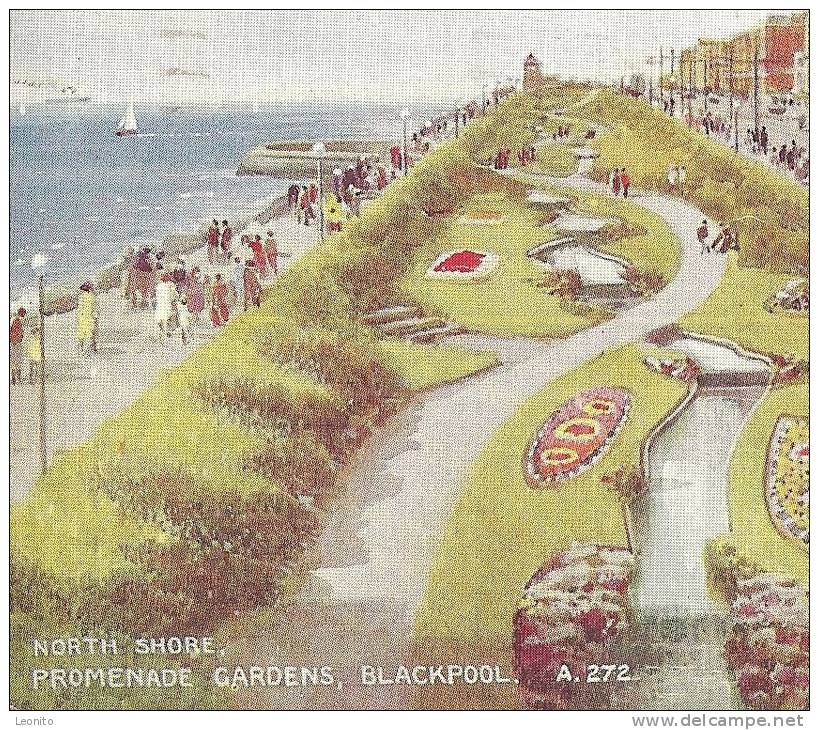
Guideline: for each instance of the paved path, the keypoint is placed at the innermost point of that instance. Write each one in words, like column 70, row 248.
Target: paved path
column 81, row 392
column 454, row 422
column 375, row 554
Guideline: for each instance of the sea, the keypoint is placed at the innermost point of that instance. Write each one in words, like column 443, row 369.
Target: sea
column 79, row 195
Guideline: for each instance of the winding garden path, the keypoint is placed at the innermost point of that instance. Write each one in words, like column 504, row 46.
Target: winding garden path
column 375, row 553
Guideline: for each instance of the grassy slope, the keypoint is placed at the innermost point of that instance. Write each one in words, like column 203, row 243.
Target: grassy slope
column 426, row 366
column 501, row 530
column 735, row 311
column 772, row 209
column 751, row 527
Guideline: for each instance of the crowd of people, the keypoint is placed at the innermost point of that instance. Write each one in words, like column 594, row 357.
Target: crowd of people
column 181, row 294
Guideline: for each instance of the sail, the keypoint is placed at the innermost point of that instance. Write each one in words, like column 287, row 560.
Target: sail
column 128, row 123
column 22, row 109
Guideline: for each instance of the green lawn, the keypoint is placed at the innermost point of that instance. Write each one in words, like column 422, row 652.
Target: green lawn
column 501, row 530
column 752, row 530
column 507, row 301
column 554, row 158
column 735, row 311
column 425, row 366
column 653, row 247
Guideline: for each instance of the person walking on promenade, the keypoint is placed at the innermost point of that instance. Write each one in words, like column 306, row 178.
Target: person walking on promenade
column 213, row 241
column 259, row 258
column 143, row 275
column 219, row 312
column 381, row 182
column 395, row 157
column 238, row 277
column 252, row 288
column 165, row 304
column 673, row 177
column 87, row 318
column 17, row 334
column 702, row 237
column 271, row 249
column 183, row 316
column 625, row 181
column 304, row 206
column 763, row 140
column 791, row 156
column 293, row 198
column 616, row 181
column 34, row 354
column 195, row 294
column 227, row 236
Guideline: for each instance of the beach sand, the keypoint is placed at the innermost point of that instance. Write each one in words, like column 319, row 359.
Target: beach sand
column 83, row 390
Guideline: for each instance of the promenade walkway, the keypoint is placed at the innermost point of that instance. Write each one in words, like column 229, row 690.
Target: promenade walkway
column 82, row 391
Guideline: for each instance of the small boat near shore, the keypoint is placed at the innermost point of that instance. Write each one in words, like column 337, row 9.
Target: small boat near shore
column 128, row 124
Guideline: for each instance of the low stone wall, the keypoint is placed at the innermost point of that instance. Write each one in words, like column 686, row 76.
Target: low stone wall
column 293, row 160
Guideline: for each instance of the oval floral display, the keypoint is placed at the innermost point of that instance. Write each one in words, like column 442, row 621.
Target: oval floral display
column 576, row 435
column 463, row 264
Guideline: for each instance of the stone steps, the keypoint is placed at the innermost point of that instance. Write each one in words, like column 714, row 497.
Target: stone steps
column 410, row 326
column 436, row 333
column 390, row 314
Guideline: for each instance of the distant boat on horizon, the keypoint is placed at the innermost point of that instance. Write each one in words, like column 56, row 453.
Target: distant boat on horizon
column 22, row 109
column 128, row 124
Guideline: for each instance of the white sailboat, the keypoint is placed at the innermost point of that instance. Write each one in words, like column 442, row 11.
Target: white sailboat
column 22, row 109
column 128, row 124
column 255, row 107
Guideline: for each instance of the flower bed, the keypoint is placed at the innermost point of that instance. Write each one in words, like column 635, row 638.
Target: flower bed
column 481, row 218
column 463, row 264
column 787, row 487
column 768, row 647
column 793, row 297
column 572, row 611
column 679, row 367
column 576, row 435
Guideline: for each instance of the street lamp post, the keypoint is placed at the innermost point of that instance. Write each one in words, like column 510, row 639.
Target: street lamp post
column 404, row 118
column 483, row 99
column 320, row 150
column 38, row 262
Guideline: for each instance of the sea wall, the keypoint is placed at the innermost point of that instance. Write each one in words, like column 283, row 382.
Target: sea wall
column 293, row 160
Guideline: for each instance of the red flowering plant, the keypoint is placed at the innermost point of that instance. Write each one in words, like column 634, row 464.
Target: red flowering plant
column 768, row 646
column 570, row 615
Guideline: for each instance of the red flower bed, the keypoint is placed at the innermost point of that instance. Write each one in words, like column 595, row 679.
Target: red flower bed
column 464, row 262
column 572, row 611
column 576, row 435
column 768, row 647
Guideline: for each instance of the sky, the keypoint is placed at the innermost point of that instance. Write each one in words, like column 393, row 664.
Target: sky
column 178, row 57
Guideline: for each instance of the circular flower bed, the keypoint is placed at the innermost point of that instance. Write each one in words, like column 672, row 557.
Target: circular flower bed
column 462, row 264
column 571, row 612
column 787, row 485
column 576, row 435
